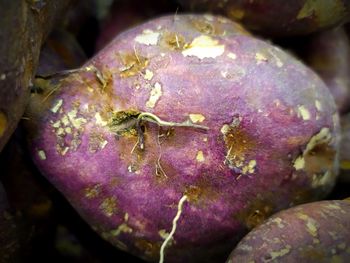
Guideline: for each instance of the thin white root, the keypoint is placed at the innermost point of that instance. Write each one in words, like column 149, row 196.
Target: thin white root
column 172, row 232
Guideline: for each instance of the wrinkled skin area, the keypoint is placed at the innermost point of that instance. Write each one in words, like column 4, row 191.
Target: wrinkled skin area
column 257, row 102
column 278, row 18
column 314, row 232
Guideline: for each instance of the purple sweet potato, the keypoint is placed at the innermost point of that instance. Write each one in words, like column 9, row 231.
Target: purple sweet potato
column 315, row 232
column 182, row 134
column 328, row 53
column 278, row 18
column 24, row 26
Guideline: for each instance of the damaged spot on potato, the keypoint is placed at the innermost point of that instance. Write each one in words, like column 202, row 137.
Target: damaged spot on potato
column 173, row 41
column 193, row 193
column 318, row 105
column 148, row 37
column 196, row 117
column 76, row 122
column 318, row 156
column 109, row 206
column 206, row 27
column 42, row 155
column 150, row 249
column 232, row 55
column 256, row 213
column 200, row 157
column 260, row 58
column 155, row 95
column 132, row 64
column 3, row 123
column 96, row 142
column 92, row 192
column 304, row 113
column 273, row 255
column 311, row 225
column 99, row 120
column 238, row 144
column 122, row 228
column 148, row 75
column 122, row 123
column 204, row 47
column 57, row 106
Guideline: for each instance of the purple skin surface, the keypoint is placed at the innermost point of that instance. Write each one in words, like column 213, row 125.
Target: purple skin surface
column 275, row 17
column 329, row 55
column 314, row 233
column 272, row 137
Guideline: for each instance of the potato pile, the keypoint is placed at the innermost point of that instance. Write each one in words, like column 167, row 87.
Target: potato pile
column 197, row 131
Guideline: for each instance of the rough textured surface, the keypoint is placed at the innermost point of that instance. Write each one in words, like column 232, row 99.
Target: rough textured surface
column 315, row 232
column 345, row 149
column 272, row 132
column 275, row 17
column 328, row 53
column 24, row 26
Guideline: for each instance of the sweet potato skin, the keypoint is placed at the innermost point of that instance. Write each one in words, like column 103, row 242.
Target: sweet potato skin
column 313, row 232
column 278, row 18
column 272, row 135
column 24, row 26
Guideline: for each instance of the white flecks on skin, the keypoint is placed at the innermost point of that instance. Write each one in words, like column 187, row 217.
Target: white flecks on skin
column 3, row 76
column 76, row 122
column 318, row 105
column 56, row 124
column 260, row 58
column 209, row 17
column 249, row 168
column 278, row 221
column 299, row 163
column 232, row 55
column 311, row 224
column 204, row 47
column 99, row 120
column 42, row 155
column 103, row 144
column 196, row 117
column 200, row 157
column 276, row 254
column 57, row 106
column 225, row 129
column 304, row 113
column 148, row 37
column 156, row 93
column 65, row 150
column 279, row 62
column 148, row 75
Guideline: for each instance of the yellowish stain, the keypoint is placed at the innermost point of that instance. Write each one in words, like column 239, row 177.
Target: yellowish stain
column 200, row 157
column 304, row 113
column 148, row 75
column 148, row 37
column 155, row 95
column 196, row 117
column 204, row 47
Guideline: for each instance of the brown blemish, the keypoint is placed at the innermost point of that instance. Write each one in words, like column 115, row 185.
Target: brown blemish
column 238, row 143
column 173, row 41
column 206, row 27
column 310, row 253
column 132, row 64
column 109, row 206
column 151, row 250
column 96, row 142
column 123, row 123
column 92, row 192
column 256, row 213
column 193, row 193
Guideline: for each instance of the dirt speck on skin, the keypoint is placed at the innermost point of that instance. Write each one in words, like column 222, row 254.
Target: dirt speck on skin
column 109, row 206
column 132, row 64
column 173, row 41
